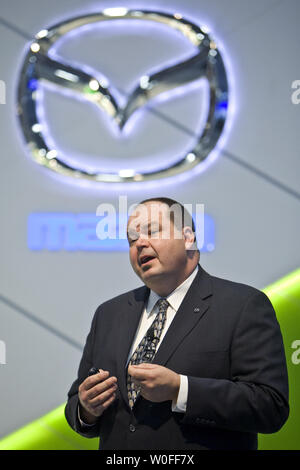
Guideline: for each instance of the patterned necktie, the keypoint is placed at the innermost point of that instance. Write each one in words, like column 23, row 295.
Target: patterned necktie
column 145, row 351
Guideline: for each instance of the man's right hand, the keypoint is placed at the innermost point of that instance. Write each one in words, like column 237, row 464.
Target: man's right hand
column 95, row 394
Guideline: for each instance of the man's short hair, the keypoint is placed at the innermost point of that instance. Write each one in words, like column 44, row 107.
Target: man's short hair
column 186, row 219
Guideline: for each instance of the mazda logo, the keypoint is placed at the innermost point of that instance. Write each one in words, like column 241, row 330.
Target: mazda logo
column 40, row 67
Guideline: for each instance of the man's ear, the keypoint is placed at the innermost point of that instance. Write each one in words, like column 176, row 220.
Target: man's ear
column 189, row 238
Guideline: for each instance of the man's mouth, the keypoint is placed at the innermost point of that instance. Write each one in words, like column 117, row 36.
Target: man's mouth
column 146, row 259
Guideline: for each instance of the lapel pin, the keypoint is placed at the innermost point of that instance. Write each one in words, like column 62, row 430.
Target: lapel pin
column 196, row 309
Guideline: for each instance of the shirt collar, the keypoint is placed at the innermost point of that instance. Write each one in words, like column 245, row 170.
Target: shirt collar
column 174, row 298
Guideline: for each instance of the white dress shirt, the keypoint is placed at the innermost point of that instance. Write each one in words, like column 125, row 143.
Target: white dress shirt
column 174, row 298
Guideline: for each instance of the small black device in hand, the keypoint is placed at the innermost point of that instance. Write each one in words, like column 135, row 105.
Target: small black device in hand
column 93, row 371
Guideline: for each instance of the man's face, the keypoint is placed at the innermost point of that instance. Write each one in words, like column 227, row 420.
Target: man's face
column 156, row 247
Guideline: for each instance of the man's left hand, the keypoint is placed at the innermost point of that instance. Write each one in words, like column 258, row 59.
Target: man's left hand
column 157, row 382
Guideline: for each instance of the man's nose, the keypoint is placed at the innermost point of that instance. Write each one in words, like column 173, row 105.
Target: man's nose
column 143, row 240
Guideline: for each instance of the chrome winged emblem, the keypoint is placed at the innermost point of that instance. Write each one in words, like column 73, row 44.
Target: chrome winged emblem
column 39, row 66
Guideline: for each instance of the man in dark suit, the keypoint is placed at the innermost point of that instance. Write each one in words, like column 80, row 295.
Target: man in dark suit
column 188, row 361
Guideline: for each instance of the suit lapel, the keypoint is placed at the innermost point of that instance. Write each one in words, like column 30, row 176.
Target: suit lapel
column 193, row 307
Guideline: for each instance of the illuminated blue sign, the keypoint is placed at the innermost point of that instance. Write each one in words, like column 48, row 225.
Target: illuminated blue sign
column 62, row 231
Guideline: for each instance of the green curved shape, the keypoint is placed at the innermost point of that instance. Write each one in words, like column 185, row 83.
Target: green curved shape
column 52, row 432
column 285, row 297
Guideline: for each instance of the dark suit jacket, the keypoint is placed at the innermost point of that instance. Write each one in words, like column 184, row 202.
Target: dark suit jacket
column 225, row 337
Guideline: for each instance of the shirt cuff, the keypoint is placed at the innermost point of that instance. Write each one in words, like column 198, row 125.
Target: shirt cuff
column 82, row 423
column 180, row 404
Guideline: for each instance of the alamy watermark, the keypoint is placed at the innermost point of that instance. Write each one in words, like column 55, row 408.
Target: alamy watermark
column 150, row 220
column 2, row 352
column 296, row 354
column 295, row 97
column 2, row 92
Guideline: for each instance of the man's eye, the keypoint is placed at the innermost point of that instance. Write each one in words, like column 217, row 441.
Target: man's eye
column 132, row 239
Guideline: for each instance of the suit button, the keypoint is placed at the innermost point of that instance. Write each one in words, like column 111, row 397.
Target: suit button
column 131, row 427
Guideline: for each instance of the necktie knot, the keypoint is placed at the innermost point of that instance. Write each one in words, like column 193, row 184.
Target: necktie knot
column 162, row 305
